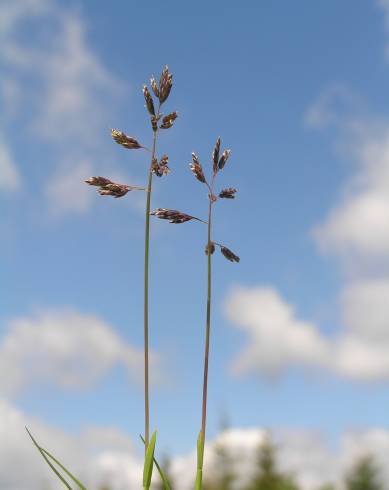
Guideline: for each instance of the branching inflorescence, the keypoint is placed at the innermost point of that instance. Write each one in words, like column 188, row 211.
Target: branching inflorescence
column 158, row 167
column 106, row 187
column 177, row 217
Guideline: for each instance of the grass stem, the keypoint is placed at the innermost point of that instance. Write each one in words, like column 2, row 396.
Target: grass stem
column 146, row 292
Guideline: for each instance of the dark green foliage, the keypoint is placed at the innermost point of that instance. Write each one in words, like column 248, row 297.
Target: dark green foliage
column 224, row 466
column 267, row 475
column 365, row 475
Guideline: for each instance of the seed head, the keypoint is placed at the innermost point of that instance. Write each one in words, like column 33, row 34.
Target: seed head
column 209, row 246
column 229, row 255
column 215, row 156
column 124, row 140
column 197, row 169
column 165, row 85
column 167, row 121
column 154, row 86
column 228, row 193
column 99, row 181
column 172, row 215
column 224, row 158
column 109, row 188
column 149, row 100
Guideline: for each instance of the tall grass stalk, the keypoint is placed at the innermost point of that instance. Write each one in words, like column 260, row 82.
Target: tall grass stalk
column 106, row 187
column 218, row 163
column 146, row 287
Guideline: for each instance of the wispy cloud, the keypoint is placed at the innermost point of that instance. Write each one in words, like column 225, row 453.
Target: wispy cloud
column 66, row 348
column 67, row 89
column 331, row 105
column 384, row 5
column 10, row 179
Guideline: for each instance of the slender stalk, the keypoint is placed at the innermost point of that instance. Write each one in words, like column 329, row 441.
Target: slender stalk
column 208, row 323
column 146, row 292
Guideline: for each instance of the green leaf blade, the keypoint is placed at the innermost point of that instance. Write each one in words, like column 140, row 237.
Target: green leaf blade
column 165, row 481
column 76, row 481
column 58, row 474
column 149, row 460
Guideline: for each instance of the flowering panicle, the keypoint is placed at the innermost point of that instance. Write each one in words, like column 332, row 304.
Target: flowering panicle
column 109, row 188
column 173, row 216
column 158, row 167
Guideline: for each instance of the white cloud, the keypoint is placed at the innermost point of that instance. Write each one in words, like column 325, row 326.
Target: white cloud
column 357, row 229
column 66, row 348
column 365, row 308
column 10, row 179
column 97, row 455
column 277, row 340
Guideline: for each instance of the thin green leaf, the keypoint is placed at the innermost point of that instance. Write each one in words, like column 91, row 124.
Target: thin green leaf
column 76, row 481
column 165, row 482
column 149, row 459
column 48, row 462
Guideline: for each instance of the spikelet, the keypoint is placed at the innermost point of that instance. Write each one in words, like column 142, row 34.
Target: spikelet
column 123, row 139
column 197, row 169
column 228, row 193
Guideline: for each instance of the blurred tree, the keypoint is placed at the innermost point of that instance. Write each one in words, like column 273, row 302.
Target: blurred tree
column 365, row 475
column 327, row 486
column 267, row 476
column 223, row 475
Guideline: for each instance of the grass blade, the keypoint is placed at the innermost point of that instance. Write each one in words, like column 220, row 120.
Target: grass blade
column 149, row 460
column 200, row 459
column 48, row 462
column 165, row 482
column 76, row 481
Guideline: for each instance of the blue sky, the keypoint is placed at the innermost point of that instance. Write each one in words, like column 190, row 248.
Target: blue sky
column 298, row 91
